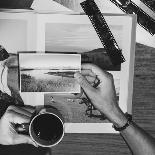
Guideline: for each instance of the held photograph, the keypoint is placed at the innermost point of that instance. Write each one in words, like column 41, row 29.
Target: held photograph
column 49, row 72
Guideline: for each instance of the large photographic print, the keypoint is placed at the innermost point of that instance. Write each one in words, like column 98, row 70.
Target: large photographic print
column 49, row 72
column 83, row 39
column 76, row 34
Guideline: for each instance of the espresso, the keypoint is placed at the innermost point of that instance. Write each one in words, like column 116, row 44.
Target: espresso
column 48, row 127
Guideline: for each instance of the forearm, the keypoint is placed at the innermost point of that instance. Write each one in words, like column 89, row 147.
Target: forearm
column 104, row 99
column 140, row 142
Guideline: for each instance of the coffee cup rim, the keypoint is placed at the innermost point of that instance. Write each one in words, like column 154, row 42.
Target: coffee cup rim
column 35, row 140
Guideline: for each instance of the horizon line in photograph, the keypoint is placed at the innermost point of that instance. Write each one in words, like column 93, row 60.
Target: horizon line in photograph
column 56, row 68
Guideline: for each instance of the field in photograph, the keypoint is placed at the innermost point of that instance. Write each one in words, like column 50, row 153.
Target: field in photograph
column 74, row 112
column 40, row 80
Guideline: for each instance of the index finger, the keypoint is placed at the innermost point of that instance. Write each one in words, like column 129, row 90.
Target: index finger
column 31, row 109
column 93, row 68
column 102, row 75
column 20, row 110
column 88, row 72
column 16, row 117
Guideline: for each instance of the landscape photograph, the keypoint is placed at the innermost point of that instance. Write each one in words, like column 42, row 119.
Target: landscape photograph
column 49, row 72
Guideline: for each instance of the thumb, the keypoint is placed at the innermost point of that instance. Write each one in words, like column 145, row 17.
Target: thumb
column 84, row 84
column 24, row 139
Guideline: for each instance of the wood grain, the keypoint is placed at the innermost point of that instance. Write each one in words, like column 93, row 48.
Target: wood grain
column 143, row 113
column 143, row 106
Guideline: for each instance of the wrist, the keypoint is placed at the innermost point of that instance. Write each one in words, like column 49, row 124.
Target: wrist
column 122, row 128
column 118, row 118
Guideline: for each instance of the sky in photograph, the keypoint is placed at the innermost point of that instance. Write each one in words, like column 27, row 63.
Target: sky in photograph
column 50, row 61
column 76, row 37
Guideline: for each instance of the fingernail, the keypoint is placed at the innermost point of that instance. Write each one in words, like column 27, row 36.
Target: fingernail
column 76, row 75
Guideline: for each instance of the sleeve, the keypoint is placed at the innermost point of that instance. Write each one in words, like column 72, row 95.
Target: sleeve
column 5, row 102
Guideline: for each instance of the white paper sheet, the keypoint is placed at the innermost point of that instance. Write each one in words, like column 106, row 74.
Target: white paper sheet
column 48, row 6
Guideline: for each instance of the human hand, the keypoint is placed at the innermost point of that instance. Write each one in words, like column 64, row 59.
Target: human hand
column 12, row 73
column 104, row 96
column 9, row 77
column 15, row 115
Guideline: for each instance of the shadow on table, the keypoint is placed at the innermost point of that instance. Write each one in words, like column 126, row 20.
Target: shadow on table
column 23, row 149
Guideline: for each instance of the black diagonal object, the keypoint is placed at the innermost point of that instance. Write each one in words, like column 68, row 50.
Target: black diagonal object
column 103, row 31
column 143, row 19
column 150, row 4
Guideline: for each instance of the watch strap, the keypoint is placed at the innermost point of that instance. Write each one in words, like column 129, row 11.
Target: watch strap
column 129, row 120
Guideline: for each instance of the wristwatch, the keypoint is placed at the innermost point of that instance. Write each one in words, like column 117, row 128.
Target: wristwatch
column 129, row 120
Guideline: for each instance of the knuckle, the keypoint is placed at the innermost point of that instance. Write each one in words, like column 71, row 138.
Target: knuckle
column 11, row 107
column 93, row 65
column 110, row 76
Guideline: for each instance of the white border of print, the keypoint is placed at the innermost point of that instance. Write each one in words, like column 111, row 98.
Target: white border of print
column 50, row 54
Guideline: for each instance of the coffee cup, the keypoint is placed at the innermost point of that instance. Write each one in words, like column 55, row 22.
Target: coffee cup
column 46, row 128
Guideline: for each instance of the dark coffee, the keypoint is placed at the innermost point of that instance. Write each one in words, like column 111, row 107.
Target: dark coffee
column 48, row 127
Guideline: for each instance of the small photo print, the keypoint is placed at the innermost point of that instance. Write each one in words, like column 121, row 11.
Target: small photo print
column 42, row 72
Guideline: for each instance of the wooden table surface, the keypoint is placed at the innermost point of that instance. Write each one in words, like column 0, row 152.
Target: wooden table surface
column 143, row 113
column 143, row 103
